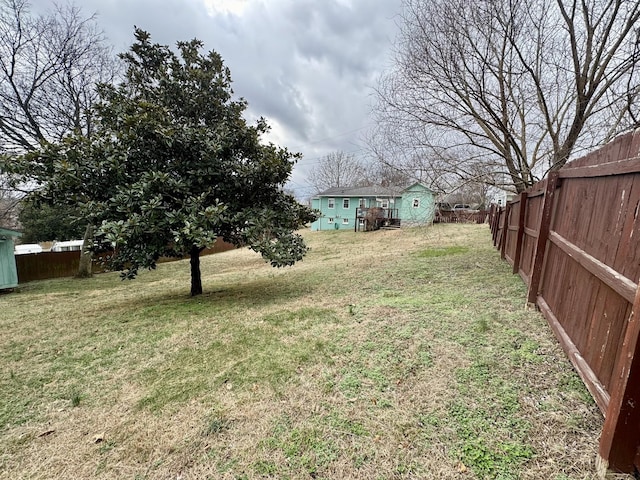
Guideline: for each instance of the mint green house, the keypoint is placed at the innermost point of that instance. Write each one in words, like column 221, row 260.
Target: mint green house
column 368, row 208
column 8, row 272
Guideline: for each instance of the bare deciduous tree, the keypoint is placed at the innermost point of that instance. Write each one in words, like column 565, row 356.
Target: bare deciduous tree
column 49, row 65
column 517, row 86
column 337, row 169
column 9, row 202
column 387, row 174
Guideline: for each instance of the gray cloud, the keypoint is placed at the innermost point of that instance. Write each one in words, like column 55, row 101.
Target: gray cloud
column 307, row 66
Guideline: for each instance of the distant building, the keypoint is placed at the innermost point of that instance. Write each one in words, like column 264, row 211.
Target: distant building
column 500, row 197
column 361, row 208
column 68, row 246
column 26, row 248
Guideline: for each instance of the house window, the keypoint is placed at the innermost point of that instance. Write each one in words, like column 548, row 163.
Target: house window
column 330, row 220
column 345, row 221
column 345, row 203
column 362, row 203
column 385, row 203
column 416, row 203
column 332, row 203
column 361, row 222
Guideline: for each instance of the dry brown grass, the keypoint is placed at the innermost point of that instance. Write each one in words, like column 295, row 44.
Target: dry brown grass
column 372, row 358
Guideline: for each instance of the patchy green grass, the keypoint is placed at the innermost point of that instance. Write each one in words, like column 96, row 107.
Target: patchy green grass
column 443, row 251
column 400, row 354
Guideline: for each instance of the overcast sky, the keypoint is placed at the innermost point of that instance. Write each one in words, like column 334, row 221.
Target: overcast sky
column 308, row 66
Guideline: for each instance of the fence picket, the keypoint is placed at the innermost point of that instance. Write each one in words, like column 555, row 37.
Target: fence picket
column 619, row 440
column 520, row 234
column 543, row 236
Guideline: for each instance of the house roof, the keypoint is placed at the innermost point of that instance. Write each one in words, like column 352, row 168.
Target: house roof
column 5, row 232
column 372, row 191
column 418, row 184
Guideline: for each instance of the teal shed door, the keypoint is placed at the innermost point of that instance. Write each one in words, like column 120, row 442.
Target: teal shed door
column 8, row 274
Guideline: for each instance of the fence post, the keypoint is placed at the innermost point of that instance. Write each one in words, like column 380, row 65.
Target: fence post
column 619, row 440
column 505, row 230
column 492, row 223
column 496, row 237
column 491, row 220
column 543, row 236
column 520, row 235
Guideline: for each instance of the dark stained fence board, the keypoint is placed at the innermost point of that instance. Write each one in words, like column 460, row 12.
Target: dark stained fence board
column 520, row 232
column 504, row 231
column 493, row 211
column 574, row 238
column 40, row 266
column 499, row 224
column 619, row 439
column 461, row 217
column 627, row 255
column 543, row 235
column 511, row 234
column 498, row 213
column 622, row 285
column 532, row 219
column 526, row 258
column 597, row 390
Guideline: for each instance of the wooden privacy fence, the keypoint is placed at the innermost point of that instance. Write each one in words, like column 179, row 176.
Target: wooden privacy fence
column 461, row 217
column 40, row 266
column 574, row 238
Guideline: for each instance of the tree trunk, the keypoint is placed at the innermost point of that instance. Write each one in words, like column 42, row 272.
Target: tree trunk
column 196, row 279
column 84, row 269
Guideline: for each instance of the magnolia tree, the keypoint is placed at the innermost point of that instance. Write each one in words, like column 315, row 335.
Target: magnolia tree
column 171, row 165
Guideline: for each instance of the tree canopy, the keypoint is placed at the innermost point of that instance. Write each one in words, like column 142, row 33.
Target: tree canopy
column 172, row 164
column 42, row 222
column 340, row 169
column 507, row 91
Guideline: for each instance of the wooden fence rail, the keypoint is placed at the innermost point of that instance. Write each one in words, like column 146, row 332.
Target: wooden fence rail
column 574, row 238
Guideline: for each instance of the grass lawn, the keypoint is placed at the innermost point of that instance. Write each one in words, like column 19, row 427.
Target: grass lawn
column 383, row 355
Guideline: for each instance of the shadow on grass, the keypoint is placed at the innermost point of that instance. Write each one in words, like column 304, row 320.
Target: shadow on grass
column 252, row 294
column 139, row 294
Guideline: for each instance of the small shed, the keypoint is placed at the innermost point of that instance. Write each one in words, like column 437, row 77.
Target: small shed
column 418, row 205
column 8, row 272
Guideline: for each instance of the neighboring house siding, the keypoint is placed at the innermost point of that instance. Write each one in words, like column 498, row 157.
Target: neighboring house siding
column 339, row 207
column 417, row 206
column 338, row 217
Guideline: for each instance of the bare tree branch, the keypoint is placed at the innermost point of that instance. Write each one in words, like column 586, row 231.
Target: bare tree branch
column 337, row 169
column 508, row 87
column 49, row 66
